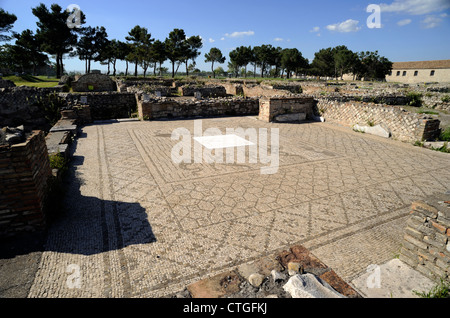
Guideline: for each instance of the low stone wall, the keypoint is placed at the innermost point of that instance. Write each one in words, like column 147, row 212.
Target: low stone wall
column 105, row 105
column 169, row 108
column 124, row 84
column 426, row 245
column 157, row 91
column 19, row 106
column 6, row 83
column 24, row 172
column 254, row 90
column 205, row 91
column 271, row 107
column 94, row 83
column 294, row 88
column 402, row 125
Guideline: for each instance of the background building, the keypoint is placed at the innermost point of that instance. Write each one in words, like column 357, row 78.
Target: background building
column 420, row 72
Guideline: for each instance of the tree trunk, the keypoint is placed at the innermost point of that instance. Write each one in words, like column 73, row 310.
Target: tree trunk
column 173, row 69
column 62, row 65
column 135, row 68
column 145, row 67
column 212, row 69
column 176, row 71
column 114, row 67
column 154, row 69
column 58, row 68
column 160, row 71
column 187, row 71
column 126, row 70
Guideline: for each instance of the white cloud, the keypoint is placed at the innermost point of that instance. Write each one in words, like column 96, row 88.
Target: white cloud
column 239, row 34
column 211, row 40
column 222, row 39
column 344, row 27
column 278, row 39
column 415, row 7
column 404, row 22
column 431, row 21
column 315, row 29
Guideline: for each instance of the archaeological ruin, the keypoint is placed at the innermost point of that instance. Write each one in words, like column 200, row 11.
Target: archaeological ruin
column 349, row 174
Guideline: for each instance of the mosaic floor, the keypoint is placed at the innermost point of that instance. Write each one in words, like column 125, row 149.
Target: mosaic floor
column 137, row 224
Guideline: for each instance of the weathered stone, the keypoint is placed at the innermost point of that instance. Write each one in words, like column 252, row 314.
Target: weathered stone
column 255, row 279
column 294, row 268
column 290, row 117
column 94, row 82
column 277, row 276
column 375, row 130
column 6, row 83
column 310, row 286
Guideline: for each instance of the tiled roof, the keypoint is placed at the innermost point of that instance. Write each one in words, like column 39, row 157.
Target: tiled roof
column 421, row 65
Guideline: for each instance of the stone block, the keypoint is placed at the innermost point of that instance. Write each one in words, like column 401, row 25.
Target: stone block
column 377, row 130
column 290, row 117
column 310, row 286
column 415, row 242
column 256, row 279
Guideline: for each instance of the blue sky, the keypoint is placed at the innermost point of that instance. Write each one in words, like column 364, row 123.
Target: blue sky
column 411, row 30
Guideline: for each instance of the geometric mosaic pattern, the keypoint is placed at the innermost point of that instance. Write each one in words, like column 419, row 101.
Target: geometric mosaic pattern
column 138, row 225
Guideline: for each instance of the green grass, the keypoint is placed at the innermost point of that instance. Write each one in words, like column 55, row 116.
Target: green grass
column 427, row 112
column 445, row 134
column 441, row 290
column 32, row 81
column 57, row 161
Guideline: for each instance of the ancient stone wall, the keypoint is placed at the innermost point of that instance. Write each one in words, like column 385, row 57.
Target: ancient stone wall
column 123, row 84
column 169, row 108
column 271, row 107
column 402, row 125
column 24, row 172
column 94, row 83
column 205, row 91
column 426, row 244
column 19, row 106
column 6, row 83
column 105, row 105
column 250, row 89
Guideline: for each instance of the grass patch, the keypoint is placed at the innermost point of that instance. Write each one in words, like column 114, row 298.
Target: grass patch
column 57, row 161
column 441, row 290
column 415, row 99
column 445, row 134
column 33, row 81
column 427, row 112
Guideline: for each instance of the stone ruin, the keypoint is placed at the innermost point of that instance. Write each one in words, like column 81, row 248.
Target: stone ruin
column 350, row 104
column 94, row 82
column 98, row 97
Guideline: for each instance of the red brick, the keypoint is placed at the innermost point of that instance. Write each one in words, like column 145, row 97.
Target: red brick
column 439, row 227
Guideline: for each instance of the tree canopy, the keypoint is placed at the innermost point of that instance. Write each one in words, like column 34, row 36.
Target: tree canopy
column 54, row 35
column 214, row 56
column 7, row 21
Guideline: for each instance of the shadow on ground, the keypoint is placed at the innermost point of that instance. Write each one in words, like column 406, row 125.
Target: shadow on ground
column 84, row 225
